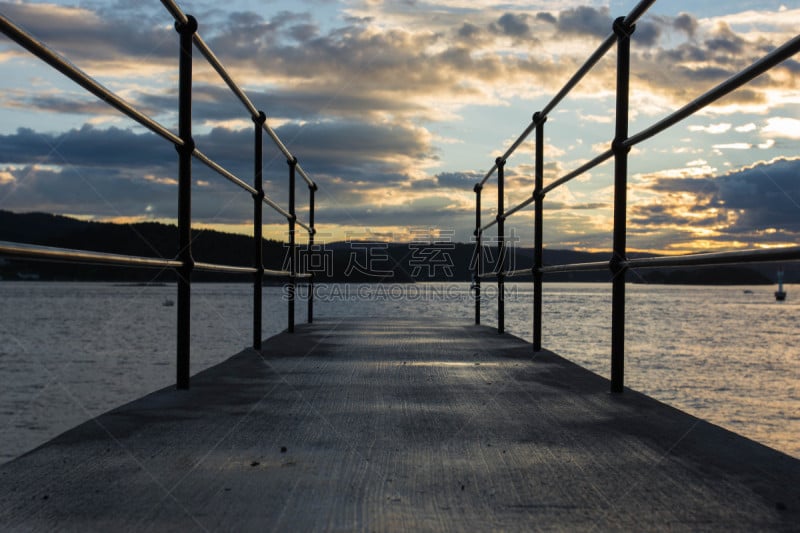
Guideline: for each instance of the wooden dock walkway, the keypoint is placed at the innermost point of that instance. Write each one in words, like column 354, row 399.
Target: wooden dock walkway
column 392, row 425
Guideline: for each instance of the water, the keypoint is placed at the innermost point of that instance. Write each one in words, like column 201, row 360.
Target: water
column 71, row 351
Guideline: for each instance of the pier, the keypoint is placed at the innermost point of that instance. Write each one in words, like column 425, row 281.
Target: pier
column 379, row 424
column 385, row 425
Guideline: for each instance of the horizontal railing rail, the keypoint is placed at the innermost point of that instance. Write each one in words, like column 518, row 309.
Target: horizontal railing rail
column 181, row 18
column 540, row 117
column 619, row 263
column 184, row 264
column 87, row 82
column 15, row 249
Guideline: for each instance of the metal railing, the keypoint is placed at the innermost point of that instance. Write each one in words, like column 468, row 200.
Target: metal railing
column 619, row 263
column 184, row 264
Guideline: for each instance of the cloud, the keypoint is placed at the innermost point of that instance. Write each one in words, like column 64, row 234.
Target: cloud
column 752, row 205
column 685, row 23
column 400, row 64
column 585, row 20
column 84, row 147
column 463, row 181
column 469, row 32
column 713, row 129
column 61, row 102
column 355, row 97
column 787, row 128
column 732, row 146
column 512, row 25
column 353, row 162
column 547, row 17
column 725, row 40
column 91, row 39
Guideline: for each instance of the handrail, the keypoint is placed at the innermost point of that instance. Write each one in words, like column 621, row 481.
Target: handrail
column 81, row 78
column 518, row 272
column 764, row 255
column 576, row 267
column 778, row 55
column 580, row 170
column 230, row 269
column 557, row 183
column 53, row 253
column 37, row 48
column 487, row 225
column 203, row 158
column 522, row 205
column 768, row 255
column 181, row 18
column 184, row 264
column 619, row 263
column 539, row 118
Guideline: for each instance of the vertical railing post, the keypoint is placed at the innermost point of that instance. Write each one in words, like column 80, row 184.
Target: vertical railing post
column 311, row 190
column 619, row 257
column 186, row 32
column 537, row 232
column 292, row 254
column 478, row 253
column 258, row 218
column 501, row 247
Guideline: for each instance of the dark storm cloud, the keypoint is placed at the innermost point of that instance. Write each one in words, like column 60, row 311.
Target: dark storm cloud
column 79, row 33
column 684, row 52
column 654, row 216
column 685, row 23
column 303, row 32
column 468, row 31
column 546, row 17
column 128, row 170
column 85, row 147
column 459, row 180
column 343, row 143
column 725, row 40
column 559, row 206
column 436, row 216
column 85, row 190
column 77, row 104
column 791, row 65
column 585, row 20
column 217, row 103
column 646, row 33
column 769, row 194
column 512, row 25
column 750, row 200
column 245, row 35
column 110, row 193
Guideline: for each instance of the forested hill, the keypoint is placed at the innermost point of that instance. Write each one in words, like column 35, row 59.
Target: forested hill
column 338, row 262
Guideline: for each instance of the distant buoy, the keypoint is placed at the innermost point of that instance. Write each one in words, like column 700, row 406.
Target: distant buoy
column 780, row 294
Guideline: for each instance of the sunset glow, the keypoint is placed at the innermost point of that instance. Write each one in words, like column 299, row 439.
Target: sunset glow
column 397, row 109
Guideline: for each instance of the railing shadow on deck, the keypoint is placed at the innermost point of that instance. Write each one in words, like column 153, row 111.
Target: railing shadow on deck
column 183, row 263
column 619, row 263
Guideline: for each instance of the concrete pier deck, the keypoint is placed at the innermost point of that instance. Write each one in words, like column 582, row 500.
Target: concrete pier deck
column 390, row 425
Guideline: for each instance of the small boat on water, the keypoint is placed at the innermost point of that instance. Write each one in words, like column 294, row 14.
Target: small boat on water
column 780, row 294
column 167, row 303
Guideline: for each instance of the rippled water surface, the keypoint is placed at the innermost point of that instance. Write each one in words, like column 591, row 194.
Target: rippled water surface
column 71, row 351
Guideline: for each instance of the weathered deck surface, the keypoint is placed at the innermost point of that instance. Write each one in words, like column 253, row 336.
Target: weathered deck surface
column 383, row 425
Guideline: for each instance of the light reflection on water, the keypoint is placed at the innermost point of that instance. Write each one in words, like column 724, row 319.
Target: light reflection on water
column 71, row 351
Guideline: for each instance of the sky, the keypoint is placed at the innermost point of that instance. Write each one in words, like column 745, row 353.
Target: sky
column 397, row 108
